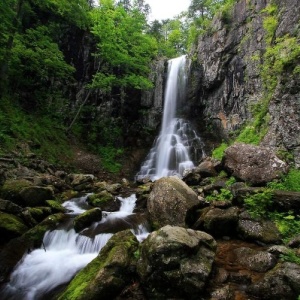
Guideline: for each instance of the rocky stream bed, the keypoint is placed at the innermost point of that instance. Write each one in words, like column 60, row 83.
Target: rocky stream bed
column 197, row 247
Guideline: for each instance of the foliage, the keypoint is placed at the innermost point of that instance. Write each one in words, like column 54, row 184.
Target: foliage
column 289, row 182
column 292, row 257
column 223, row 195
column 259, row 203
column 219, row 151
column 124, row 50
column 42, row 133
column 109, row 158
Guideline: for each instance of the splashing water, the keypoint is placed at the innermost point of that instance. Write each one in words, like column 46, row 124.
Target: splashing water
column 64, row 253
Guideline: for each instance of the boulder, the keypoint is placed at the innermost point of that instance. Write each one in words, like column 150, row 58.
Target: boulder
column 280, row 283
column 109, row 273
column 81, row 182
column 254, row 260
column 10, row 227
column 286, row 201
column 37, row 213
column 253, row 164
column 220, row 222
column 176, row 263
column 104, row 200
column 171, row 202
column 10, row 207
column 11, row 190
column 207, row 168
column 87, row 218
column 36, row 195
column 261, row 231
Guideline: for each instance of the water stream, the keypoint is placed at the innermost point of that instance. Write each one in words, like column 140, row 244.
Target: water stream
column 178, row 146
column 65, row 252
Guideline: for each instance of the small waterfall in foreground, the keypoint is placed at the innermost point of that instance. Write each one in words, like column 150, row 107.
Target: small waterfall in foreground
column 66, row 252
column 177, row 145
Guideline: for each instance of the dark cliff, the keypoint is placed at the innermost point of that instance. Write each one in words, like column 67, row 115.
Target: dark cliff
column 227, row 79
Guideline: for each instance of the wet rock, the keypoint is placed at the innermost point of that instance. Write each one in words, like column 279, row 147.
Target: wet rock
column 38, row 213
column 104, row 200
column 87, row 218
column 114, row 188
column 280, row 283
column 10, row 227
column 176, row 262
column 55, row 206
column 253, row 164
column 81, row 182
column 171, row 202
column 261, row 231
column 258, row 261
column 108, row 274
column 219, row 222
column 36, row 195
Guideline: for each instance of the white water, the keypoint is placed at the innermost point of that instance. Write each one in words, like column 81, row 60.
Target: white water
column 65, row 252
column 170, row 154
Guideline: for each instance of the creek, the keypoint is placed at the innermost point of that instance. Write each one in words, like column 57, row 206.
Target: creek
column 64, row 252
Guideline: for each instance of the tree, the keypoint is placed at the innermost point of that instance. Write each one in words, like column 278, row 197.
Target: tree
column 124, row 50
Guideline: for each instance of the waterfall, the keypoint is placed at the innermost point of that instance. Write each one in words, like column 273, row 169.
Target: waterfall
column 65, row 252
column 171, row 153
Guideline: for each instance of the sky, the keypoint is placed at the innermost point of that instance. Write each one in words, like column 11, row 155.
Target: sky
column 167, row 9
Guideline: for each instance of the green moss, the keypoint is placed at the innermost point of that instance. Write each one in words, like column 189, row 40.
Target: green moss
column 219, row 151
column 99, row 199
column 37, row 233
column 111, row 259
column 55, row 206
column 11, row 225
column 11, row 189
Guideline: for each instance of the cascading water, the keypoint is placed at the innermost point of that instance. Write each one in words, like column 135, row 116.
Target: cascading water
column 64, row 253
column 177, row 141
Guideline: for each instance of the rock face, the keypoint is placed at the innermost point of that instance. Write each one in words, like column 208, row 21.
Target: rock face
column 225, row 76
column 171, row 202
column 176, row 262
column 253, row 164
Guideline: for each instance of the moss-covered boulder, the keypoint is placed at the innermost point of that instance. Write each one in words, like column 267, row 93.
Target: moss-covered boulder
column 108, row 274
column 10, row 227
column 11, row 190
column 104, row 200
column 39, row 213
column 10, row 207
column 55, row 206
column 87, row 218
column 176, row 263
column 36, row 195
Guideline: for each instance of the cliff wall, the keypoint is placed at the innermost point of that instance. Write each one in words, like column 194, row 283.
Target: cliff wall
column 227, row 85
